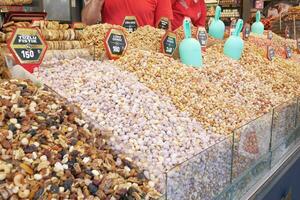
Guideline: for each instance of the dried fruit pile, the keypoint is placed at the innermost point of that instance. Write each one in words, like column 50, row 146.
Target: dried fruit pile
column 222, row 95
column 49, row 152
column 147, row 126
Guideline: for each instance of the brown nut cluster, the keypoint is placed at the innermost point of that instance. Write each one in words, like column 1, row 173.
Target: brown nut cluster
column 223, row 96
column 49, row 152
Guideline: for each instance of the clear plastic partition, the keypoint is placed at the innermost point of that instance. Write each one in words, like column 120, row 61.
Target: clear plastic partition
column 298, row 113
column 204, row 176
column 283, row 128
column 251, row 143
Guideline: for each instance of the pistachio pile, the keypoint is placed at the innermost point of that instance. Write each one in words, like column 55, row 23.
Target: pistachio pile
column 222, row 96
column 146, row 38
column 49, row 152
column 148, row 127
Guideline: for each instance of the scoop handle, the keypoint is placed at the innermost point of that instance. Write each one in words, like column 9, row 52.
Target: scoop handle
column 238, row 27
column 258, row 17
column 218, row 13
column 187, row 27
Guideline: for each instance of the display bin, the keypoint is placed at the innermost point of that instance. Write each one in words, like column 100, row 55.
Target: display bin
column 283, row 126
column 251, row 143
column 203, row 176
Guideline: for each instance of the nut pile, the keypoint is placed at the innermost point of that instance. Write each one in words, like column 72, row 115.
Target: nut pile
column 146, row 38
column 94, row 36
column 269, row 73
column 14, row 2
column 222, row 96
column 147, row 126
column 49, row 152
column 68, row 54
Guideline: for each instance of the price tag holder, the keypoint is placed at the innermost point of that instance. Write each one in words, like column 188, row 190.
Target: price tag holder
column 130, row 23
column 115, row 43
column 287, row 32
column 202, row 36
column 288, row 52
column 169, row 43
column 232, row 27
column 28, row 47
column 246, row 31
column 270, row 35
column 270, row 53
column 164, row 23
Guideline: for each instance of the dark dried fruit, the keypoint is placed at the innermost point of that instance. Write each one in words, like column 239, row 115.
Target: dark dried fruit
column 92, row 188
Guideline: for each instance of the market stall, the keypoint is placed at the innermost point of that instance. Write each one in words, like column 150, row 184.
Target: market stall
column 115, row 114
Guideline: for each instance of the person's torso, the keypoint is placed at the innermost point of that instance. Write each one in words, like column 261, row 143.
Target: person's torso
column 114, row 11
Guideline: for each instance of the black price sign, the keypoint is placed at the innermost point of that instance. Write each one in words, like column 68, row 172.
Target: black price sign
column 130, row 23
column 288, row 52
column 164, row 23
column 246, row 31
column 202, row 36
column 169, row 43
column 27, row 46
column 270, row 35
column 115, row 43
column 271, row 53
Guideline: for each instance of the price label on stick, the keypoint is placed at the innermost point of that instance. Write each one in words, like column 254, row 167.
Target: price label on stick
column 164, row 23
column 246, row 31
column 115, row 43
column 202, row 36
column 288, row 52
column 28, row 47
column 271, row 53
column 130, row 23
column 287, row 32
column 270, row 35
column 169, row 43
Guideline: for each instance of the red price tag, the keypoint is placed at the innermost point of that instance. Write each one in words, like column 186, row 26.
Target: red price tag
column 115, row 43
column 28, row 47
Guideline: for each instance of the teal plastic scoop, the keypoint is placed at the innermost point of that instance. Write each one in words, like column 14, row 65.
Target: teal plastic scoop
column 234, row 45
column 258, row 27
column 217, row 27
column 190, row 48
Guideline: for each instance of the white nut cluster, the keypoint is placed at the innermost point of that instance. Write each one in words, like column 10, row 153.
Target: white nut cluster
column 147, row 126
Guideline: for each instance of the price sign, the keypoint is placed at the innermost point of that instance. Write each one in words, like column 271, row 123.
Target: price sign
column 130, row 23
column 246, row 31
column 232, row 26
column 288, row 52
column 287, row 32
column 271, row 53
column 169, row 43
column 115, row 43
column 28, row 47
column 270, row 35
column 202, row 36
column 164, row 23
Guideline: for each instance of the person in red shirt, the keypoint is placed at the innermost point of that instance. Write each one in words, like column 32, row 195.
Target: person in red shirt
column 147, row 12
column 194, row 9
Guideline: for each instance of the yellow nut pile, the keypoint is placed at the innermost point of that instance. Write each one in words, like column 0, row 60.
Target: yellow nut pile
column 146, row 38
column 222, row 96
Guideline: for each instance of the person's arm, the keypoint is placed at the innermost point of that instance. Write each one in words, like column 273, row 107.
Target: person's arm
column 163, row 9
column 201, row 21
column 91, row 13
